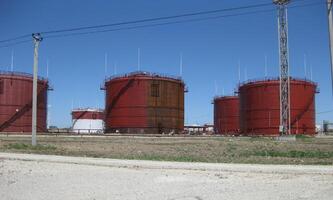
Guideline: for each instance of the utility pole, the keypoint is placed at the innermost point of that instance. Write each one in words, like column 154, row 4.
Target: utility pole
column 330, row 27
column 37, row 38
column 284, row 66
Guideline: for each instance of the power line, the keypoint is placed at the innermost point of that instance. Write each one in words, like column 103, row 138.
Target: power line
column 164, row 18
column 147, row 20
column 15, row 38
column 158, row 18
column 324, row 112
column 153, row 25
column 174, row 22
column 142, row 21
column 16, row 43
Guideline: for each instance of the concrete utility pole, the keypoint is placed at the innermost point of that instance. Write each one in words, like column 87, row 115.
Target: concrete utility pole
column 284, row 67
column 37, row 38
column 330, row 27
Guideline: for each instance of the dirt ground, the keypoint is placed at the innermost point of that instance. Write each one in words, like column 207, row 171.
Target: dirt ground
column 191, row 149
column 30, row 176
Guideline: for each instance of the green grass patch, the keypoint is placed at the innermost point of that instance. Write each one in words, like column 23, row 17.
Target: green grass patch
column 164, row 158
column 23, row 146
column 294, row 154
column 304, row 137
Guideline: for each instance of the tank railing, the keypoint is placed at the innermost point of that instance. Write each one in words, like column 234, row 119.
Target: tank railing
column 224, row 96
column 22, row 74
column 50, row 87
column 102, row 86
column 145, row 73
column 274, row 79
column 186, row 89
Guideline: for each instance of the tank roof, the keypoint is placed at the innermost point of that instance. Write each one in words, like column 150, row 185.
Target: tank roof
column 226, row 97
column 20, row 74
column 274, row 79
column 144, row 74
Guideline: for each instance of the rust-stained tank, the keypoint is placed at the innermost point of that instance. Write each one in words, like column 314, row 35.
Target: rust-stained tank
column 143, row 102
column 260, row 107
column 226, row 115
column 16, row 103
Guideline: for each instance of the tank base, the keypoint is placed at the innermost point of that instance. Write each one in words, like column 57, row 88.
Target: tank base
column 162, row 131
column 288, row 138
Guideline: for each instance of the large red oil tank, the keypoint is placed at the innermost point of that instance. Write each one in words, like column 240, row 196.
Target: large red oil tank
column 226, row 115
column 142, row 102
column 260, row 107
column 16, row 103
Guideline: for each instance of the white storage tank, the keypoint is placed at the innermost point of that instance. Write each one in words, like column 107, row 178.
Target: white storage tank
column 88, row 120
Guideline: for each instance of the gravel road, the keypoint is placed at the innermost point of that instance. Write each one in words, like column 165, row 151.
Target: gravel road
column 26, row 176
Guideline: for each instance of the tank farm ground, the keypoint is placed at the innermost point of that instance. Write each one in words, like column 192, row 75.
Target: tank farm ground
column 215, row 149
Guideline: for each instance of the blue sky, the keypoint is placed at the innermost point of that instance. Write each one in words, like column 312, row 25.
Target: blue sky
column 211, row 49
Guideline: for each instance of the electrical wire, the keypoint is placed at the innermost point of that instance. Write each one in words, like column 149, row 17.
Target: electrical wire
column 164, row 18
column 324, row 112
column 142, row 20
column 158, row 18
column 16, row 38
column 173, row 22
column 154, row 25
column 147, row 20
column 16, row 43
column 49, row 34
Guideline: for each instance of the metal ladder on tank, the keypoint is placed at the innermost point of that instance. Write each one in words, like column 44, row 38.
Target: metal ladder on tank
column 116, row 98
column 304, row 110
column 74, row 122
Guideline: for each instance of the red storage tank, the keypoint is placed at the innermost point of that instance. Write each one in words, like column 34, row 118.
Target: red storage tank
column 260, row 107
column 226, row 115
column 16, row 103
column 142, row 102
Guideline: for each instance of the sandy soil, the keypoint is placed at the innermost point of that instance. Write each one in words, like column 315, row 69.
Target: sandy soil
column 26, row 176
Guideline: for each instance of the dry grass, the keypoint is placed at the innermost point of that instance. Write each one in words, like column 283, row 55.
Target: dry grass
column 192, row 149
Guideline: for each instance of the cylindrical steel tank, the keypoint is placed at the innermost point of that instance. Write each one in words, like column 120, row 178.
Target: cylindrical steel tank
column 226, row 115
column 142, row 102
column 88, row 120
column 16, row 102
column 260, row 107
